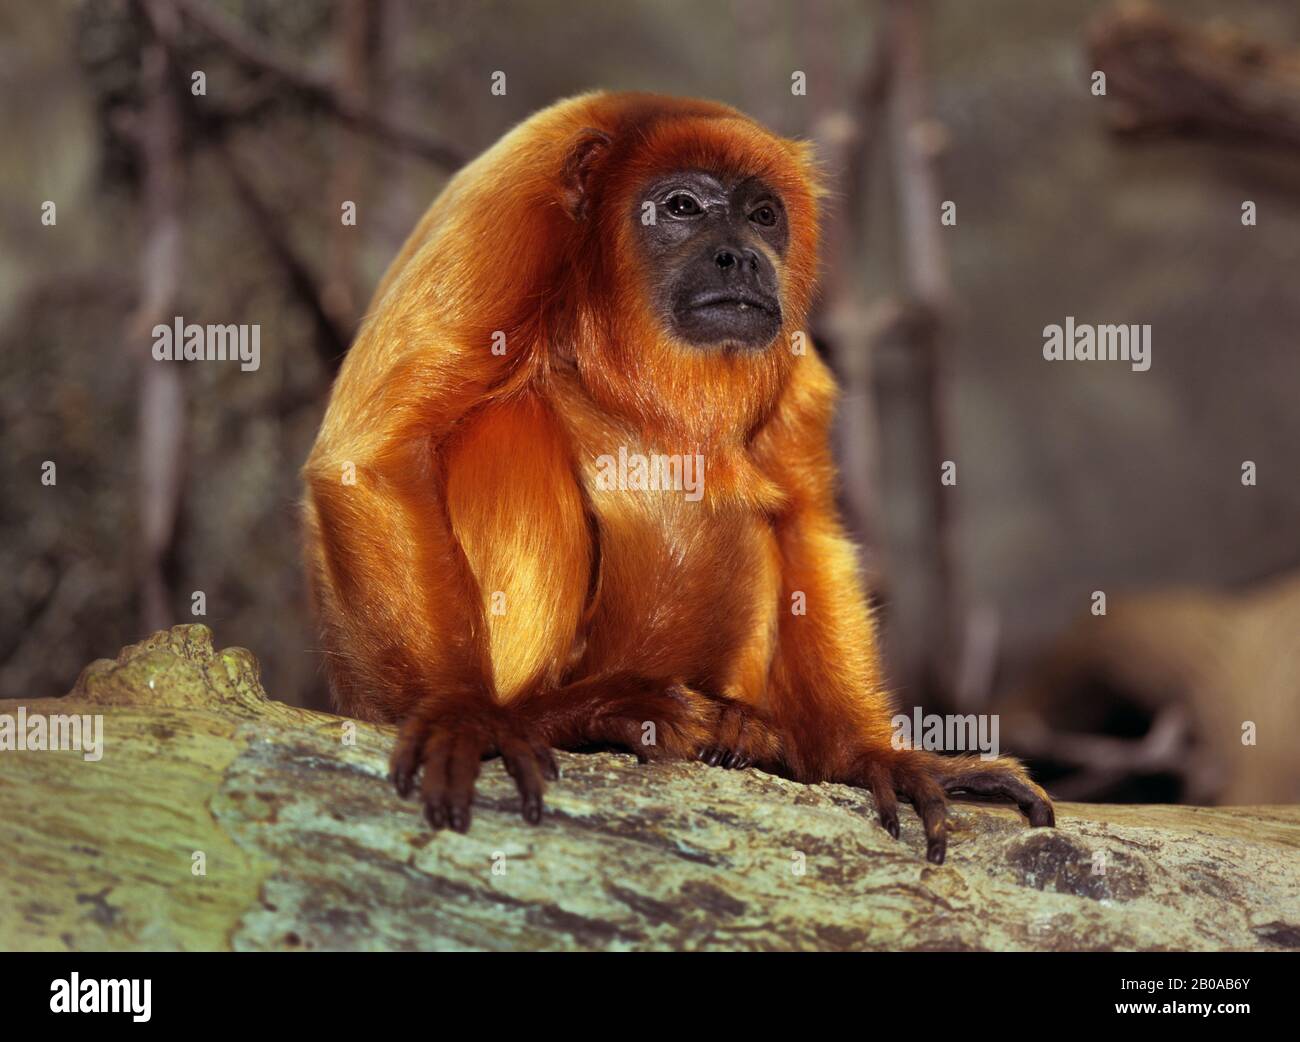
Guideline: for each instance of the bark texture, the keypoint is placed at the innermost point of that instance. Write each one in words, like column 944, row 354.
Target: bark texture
column 305, row 845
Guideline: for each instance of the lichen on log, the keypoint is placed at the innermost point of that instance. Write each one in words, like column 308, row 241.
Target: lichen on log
column 218, row 818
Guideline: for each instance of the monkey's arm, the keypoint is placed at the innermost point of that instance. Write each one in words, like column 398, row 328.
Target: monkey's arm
column 402, row 612
column 826, row 698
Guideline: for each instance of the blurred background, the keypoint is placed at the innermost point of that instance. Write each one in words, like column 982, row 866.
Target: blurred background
column 218, row 198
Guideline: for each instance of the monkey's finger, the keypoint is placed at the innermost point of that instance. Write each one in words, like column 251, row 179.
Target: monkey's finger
column 546, row 758
column 882, row 791
column 730, row 726
column 932, row 808
column 541, row 753
column 713, row 755
column 1041, row 813
column 433, row 785
column 523, row 766
column 1003, row 784
column 407, row 754
column 462, row 772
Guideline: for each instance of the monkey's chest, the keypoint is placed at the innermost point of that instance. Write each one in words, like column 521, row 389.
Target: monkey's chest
column 684, row 590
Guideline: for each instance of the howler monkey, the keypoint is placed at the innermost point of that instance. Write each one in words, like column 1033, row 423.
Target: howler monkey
column 574, row 488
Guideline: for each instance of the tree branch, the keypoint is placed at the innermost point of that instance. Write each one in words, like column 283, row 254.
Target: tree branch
column 318, row 90
column 843, row 322
column 161, row 423
column 1166, row 76
column 331, row 340
column 919, row 334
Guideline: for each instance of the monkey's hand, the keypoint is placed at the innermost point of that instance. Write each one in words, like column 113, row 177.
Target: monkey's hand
column 448, row 743
column 741, row 738
column 926, row 779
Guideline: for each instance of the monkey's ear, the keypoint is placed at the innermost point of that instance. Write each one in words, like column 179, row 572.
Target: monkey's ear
column 585, row 151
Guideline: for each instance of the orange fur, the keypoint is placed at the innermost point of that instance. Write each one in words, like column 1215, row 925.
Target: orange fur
column 478, row 584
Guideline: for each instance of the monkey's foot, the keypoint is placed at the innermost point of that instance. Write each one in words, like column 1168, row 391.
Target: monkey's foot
column 741, row 739
column 653, row 719
column 926, row 779
column 448, row 743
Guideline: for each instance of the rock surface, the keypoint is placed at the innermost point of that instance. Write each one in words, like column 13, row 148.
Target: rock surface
column 303, row 844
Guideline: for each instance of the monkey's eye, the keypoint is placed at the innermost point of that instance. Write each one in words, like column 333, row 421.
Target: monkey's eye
column 764, row 215
column 680, row 204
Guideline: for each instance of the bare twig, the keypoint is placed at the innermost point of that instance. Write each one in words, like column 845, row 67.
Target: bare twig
column 1104, row 760
column 332, row 337
column 359, row 29
column 925, row 260
column 162, row 402
column 319, row 90
column 331, row 340
column 919, row 332
column 844, row 322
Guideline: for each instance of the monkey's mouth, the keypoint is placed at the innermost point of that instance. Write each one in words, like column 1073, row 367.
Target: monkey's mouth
column 733, row 299
column 739, row 316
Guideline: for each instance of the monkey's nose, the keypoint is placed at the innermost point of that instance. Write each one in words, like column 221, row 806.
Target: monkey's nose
column 728, row 259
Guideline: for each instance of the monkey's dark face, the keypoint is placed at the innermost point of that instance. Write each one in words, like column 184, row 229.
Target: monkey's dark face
column 711, row 252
